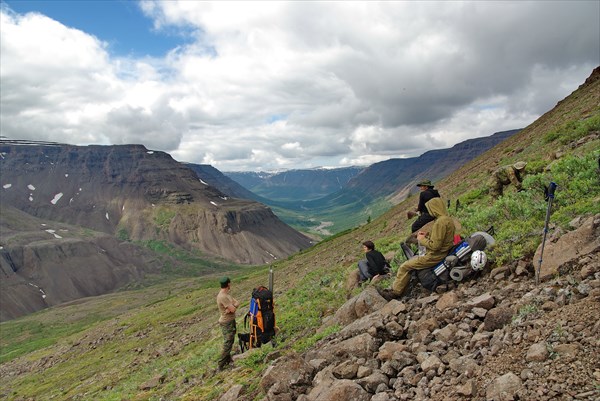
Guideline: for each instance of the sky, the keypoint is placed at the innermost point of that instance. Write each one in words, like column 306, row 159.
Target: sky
column 265, row 86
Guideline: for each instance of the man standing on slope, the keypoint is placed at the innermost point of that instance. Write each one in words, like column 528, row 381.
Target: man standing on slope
column 437, row 245
column 227, row 307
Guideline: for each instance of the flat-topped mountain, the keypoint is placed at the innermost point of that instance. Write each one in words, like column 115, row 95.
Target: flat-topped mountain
column 74, row 218
column 140, row 195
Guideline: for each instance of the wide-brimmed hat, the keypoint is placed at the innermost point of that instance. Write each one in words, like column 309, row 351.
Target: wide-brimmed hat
column 425, row 183
column 519, row 165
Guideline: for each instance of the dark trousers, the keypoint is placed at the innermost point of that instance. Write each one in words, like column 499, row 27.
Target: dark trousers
column 363, row 270
column 229, row 331
column 423, row 219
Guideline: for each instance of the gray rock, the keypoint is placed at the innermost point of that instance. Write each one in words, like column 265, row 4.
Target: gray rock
column 394, row 329
column 464, row 366
column 503, row 388
column 361, row 346
column 431, row 363
column 446, row 334
column 404, row 359
column 363, row 371
column 496, row 318
column 318, row 364
column 341, row 390
column 382, row 397
column 346, row 370
column 372, row 382
column 233, row 393
column 538, row 352
column 485, row 301
column 291, row 372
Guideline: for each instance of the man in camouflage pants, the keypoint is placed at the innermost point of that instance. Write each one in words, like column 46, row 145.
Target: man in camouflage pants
column 227, row 307
column 506, row 175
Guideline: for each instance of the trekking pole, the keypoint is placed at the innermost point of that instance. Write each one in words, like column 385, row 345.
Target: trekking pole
column 549, row 198
column 271, row 279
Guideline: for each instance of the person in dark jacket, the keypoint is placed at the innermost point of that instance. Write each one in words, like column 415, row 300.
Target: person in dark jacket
column 427, row 193
column 374, row 263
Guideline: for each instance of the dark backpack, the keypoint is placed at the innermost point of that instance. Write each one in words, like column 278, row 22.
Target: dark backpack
column 261, row 320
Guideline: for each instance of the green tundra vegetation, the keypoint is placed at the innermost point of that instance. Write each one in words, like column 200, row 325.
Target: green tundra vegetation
column 108, row 347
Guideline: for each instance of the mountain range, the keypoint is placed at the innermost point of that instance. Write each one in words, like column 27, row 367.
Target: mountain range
column 499, row 336
column 346, row 197
column 128, row 193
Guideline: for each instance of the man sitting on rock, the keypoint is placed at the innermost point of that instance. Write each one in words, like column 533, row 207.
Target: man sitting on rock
column 427, row 193
column 374, row 263
column 437, row 244
column 373, row 267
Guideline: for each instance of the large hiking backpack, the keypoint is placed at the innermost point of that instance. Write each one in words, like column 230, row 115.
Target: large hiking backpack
column 456, row 266
column 261, row 319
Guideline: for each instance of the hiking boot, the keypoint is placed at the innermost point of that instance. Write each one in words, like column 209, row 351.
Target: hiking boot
column 228, row 365
column 388, row 294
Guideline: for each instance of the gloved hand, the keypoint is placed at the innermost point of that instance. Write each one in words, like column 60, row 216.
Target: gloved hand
column 410, row 214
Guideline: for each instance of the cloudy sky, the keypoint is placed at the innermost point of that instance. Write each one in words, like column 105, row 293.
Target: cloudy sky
column 279, row 85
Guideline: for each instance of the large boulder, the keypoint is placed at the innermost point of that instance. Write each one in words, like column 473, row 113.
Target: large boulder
column 361, row 346
column 361, row 305
column 290, row 373
column 340, row 390
column 565, row 252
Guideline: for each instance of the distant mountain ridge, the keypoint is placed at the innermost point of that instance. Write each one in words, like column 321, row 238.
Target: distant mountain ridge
column 369, row 191
column 298, row 184
column 394, row 176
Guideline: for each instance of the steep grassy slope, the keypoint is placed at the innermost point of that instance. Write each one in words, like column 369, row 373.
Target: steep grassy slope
column 162, row 342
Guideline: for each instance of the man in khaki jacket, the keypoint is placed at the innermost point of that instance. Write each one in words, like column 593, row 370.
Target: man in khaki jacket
column 437, row 244
column 506, row 175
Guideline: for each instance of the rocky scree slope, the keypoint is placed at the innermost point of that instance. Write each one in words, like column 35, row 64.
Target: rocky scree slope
column 500, row 337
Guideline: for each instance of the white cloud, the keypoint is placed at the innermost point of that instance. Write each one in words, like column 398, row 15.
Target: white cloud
column 300, row 84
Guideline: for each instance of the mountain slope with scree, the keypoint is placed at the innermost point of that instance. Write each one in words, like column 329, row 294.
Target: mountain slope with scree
column 499, row 337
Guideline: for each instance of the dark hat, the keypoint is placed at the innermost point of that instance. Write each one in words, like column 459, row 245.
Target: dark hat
column 224, row 281
column 425, row 183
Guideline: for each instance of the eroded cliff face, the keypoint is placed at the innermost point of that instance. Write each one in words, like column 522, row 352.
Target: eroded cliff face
column 47, row 273
column 237, row 235
column 141, row 194
column 67, row 212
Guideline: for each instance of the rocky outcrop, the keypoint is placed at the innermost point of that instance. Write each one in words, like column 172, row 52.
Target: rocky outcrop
column 501, row 337
column 561, row 253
